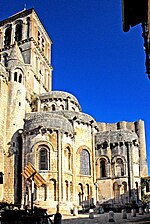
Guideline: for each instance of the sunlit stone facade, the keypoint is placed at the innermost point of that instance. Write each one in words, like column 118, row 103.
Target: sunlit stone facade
column 81, row 160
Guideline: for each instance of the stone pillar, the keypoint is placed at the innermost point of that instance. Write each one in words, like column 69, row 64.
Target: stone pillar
column 111, row 216
column 13, row 34
column 92, row 159
column 131, row 166
column 63, row 185
column 1, row 39
column 59, row 165
column 124, row 214
column 128, row 169
column 140, row 130
column 68, row 103
column 24, row 30
column 74, row 177
column 31, row 23
column 50, row 81
column 133, row 212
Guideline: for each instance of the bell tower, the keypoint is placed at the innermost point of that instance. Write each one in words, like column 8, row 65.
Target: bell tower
column 26, row 29
column 25, row 73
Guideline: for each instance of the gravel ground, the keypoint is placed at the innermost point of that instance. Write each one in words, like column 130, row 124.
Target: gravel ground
column 104, row 218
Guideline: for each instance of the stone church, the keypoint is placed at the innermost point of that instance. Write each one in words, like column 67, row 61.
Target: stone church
column 80, row 161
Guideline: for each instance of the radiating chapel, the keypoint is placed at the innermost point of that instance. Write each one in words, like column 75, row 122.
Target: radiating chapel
column 80, row 161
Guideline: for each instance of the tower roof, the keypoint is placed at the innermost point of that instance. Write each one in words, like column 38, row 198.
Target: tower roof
column 15, row 54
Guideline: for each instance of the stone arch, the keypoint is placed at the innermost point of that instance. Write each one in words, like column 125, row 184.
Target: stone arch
column 118, row 156
column 17, row 75
column 36, row 150
column 116, row 190
column 53, row 189
column 35, row 147
column 103, row 166
column 124, row 184
column 118, row 166
column 68, row 157
column 83, row 147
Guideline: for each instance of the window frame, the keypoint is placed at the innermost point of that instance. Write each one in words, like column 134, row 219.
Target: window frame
column 45, row 164
column 85, row 168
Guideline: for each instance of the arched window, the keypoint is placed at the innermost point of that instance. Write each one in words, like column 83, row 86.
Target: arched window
column 18, row 32
column 45, row 108
column 80, row 193
column 53, row 189
column 8, row 36
column 53, row 107
column 43, row 44
column 119, row 167
column 124, row 187
column 87, row 192
column 5, row 56
column 68, row 158
column 20, row 78
column 66, row 182
column 15, row 76
column 39, row 38
column 102, row 168
column 28, row 26
column 116, row 191
column 43, row 159
column 85, row 168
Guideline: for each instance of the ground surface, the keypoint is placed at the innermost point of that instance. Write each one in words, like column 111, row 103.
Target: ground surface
column 104, row 218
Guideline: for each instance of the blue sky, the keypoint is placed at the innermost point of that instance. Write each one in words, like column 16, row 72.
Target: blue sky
column 93, row 58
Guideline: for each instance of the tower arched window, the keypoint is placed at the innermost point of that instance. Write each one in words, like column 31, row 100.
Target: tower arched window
column 20, row 78
column 8, row 32
column 18, row 32
column 85, row 168
column 43, row 157
column 103, row 168
column 15, row 76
